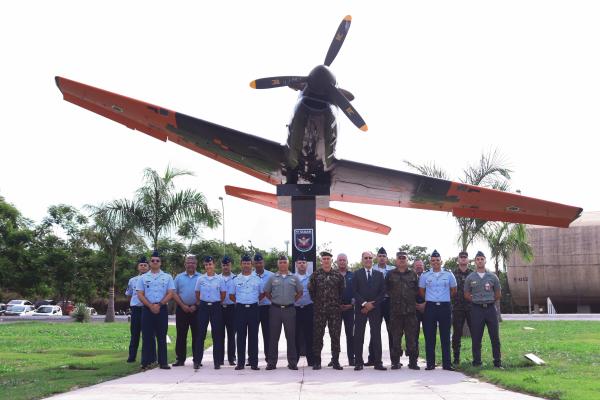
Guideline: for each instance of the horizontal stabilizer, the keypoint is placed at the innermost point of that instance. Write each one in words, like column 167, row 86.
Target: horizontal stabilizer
column 330, row 215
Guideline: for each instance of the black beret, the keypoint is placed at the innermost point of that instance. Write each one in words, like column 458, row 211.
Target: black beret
column 381, row 251
column 258, row 257
column 326, row 254
column 435, row 254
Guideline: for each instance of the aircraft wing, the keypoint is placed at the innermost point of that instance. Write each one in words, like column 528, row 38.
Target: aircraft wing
column 253, row 155
column 363, row 183
column 330, row 215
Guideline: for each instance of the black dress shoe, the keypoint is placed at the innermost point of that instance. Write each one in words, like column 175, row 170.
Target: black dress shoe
column 414, row 366
column 165, row 366
column 369, row 364
column 358, row 367
column 197, row 365
column 429, row 367
column 380, row 368
column 218, row 366
column 145, row 367
column 247, row 363
column 449, row 368
column 293, row 367
column 270, row 367
column 178, row 364
column 131, row 360
column 232, row 363
column 254, row 367
column 316, row 366
column 238, row 367
column 396, row 366
column 476, row 364
column 337, row 366
column 330, row 364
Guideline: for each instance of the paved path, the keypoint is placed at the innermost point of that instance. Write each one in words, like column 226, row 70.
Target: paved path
column 304, row 384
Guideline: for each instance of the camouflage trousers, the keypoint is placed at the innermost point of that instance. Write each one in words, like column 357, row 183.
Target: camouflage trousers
column 403, row 325
column 459, row 317
column 333, row 319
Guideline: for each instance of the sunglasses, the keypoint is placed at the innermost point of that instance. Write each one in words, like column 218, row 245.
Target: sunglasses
column 155, row 261
column 402, row 257
column 367, row 258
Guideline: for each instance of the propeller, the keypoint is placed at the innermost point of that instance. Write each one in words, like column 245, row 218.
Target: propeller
column 321, row 81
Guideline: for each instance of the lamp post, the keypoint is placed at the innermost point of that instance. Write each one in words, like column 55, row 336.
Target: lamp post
column 251, row 247
column 287, row 246
column 223, row 208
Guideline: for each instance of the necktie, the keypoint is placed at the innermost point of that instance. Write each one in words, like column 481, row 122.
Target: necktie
column 369, row 275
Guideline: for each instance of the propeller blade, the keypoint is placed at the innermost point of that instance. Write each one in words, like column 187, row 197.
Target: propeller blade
column 347, row 94
column 338, row 40
column 338, row 98
column 277, row 81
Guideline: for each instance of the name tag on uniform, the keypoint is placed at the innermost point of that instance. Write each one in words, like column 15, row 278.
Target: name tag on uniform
column 488, row 287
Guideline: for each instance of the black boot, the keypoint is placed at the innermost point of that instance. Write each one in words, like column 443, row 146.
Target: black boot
column 335, row 361
column 412, row 363
column 317, row 363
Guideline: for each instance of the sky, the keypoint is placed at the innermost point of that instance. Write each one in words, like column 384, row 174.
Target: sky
column 435, row 81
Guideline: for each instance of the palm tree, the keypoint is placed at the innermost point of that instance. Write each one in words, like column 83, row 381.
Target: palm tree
column 112, row 232
column 158, row 208
column 503, row 238
column 491, row 171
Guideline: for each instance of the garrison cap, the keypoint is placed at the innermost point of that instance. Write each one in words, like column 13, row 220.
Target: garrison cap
column 207, row 259
column 301, row 257
column 381, row 251
column 258, row 257
column 463, row 253
column 246, row 257
column 282, row 257
column 480, row 254
column 401, row 253
column 326, row 254
column 155, row 253
column 143, row 260
column 435, row 254
column 226, row 260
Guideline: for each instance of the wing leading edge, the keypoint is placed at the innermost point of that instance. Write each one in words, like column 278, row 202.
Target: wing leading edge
column 362, row 183
column 253, row 155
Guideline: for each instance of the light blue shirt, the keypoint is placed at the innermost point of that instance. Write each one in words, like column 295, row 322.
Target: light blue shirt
column 155, row 286
column 228, row 286
column 185, row 286
column 305, row 299
column 131, row 291
column 384, row 271
column 210, row 288
column 264, row 278
column 437, row 285
column 246, row 288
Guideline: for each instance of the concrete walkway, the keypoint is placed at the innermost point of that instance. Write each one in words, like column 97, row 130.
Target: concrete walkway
column 282, row 383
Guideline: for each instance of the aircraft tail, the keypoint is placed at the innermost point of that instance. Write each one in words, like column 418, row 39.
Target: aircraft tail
column 330, row 215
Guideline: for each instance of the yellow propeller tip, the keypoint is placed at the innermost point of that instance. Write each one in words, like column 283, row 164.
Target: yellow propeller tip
column 364, row 128
column 348, row 18
column 253, row 84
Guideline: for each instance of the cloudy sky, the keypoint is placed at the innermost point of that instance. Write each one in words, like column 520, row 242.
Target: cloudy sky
column 435, row 81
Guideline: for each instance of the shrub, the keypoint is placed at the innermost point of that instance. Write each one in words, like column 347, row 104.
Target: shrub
column 81, row 313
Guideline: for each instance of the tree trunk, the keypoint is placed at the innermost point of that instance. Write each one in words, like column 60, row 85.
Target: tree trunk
column 110, row 309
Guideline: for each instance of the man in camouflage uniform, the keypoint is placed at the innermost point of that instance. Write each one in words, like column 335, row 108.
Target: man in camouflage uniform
column 461, row 308
column 402, row 286
column 326, row 287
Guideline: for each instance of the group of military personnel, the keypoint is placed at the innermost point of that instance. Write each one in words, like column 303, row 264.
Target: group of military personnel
column 305, row 304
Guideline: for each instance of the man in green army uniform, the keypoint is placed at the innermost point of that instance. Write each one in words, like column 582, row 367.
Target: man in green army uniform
column 461, row 308
column 326, row 287
column 402, row 285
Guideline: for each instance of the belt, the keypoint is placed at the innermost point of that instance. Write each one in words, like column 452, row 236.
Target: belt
column 210, row 303
column 304, row 305
column 438, row 303
column 246, row 305
column 228, row 305
column 282, row 306
column 484, row 305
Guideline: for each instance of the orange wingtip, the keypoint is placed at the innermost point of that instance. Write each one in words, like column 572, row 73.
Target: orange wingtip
column 364, row 128
column 253, row 84
column 348, row 18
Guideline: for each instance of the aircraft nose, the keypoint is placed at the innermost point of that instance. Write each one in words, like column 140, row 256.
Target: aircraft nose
column 320, row 78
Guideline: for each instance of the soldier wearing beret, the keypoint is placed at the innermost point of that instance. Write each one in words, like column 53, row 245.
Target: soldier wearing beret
column 461, row 308
column 482, row 289
column 326, row 287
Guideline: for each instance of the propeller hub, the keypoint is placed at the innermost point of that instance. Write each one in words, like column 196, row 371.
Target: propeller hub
column 321, row 79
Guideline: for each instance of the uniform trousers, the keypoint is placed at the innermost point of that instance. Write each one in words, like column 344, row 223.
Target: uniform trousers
column 287, row 317
column 210, row 312
column 437, row 314
column 154, row 334
column 360, row 324
column 385, row 314
column 403, row 325
column 184, row 322
column 135, row 328
column 348, row 320
column 246, row 324
column 229, row 321
column 332, row 319
column 264, row 327
column 459, row 317
column 480, row 318
column 304, row 334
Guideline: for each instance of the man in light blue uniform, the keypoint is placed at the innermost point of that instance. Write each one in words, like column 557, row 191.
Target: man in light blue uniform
column 228, row 311
column 304, row 314
column 264, row 304
column 186, row 313
column 437, row 286
column 155, row 289
column 210, row 292
column 136, row 309
column 246, row 293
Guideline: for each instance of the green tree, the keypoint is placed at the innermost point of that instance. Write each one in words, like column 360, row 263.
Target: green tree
column 112, row 232
column 490, row 171
column 158, row 208
column 416, row 253
column 504, row 238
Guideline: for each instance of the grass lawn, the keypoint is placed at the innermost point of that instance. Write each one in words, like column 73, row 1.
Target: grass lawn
column 39, row 359
column 571, row 350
